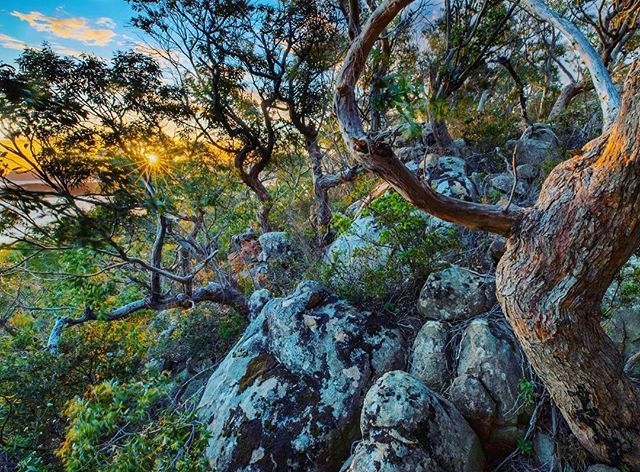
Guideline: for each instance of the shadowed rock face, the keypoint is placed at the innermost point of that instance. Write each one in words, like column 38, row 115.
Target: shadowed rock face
column 288, row 395
column 485, row 389
column 456, row 294
column 407, row 427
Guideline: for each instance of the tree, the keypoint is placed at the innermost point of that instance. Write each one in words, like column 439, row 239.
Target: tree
column 614, row 25
column 561, row 254
column 93, row 137
column 464, row 38
column 232, row 67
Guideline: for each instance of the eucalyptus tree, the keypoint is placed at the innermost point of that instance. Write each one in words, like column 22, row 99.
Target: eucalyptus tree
column 93, row 138
column 232, row 59
column 561, row 254
column 612, row 27
column 461, row 42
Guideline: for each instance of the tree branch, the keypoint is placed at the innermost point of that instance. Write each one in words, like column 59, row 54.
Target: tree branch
column 605, row 89
column 377, row 156
column 212, row 292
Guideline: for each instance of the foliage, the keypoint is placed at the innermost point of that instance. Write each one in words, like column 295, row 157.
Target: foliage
column 524, row 446
column 527, row 391
column 415, row 249
column 133, row 426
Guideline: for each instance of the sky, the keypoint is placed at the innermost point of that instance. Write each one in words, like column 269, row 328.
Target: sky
column 98, row 27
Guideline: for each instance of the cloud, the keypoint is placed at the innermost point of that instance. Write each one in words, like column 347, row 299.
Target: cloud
column 76, row 28
column 10, row 42
column 106, row 22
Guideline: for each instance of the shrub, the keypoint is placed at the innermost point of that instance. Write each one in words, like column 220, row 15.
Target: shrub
column 131, row 427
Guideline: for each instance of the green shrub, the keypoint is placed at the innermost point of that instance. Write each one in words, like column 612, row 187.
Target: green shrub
column 415, row 250
column 131, row 427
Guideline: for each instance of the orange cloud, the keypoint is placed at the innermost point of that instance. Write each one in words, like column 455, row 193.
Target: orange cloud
column 10, row 42
column 76, row 28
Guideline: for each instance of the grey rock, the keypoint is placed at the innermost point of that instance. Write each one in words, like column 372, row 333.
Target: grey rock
column 410, row 153
column 429, row 360
column 456, row 293
column 456, row 187
column 544, row 451
column 485, row 389
column 288, row 394
column 452, row 165
column 275, row 244
column 407, row 427
column 536, row 145
column 528, row 171
column 358, row 249
column 258, row 300
column 504, row 184
column 623, row 327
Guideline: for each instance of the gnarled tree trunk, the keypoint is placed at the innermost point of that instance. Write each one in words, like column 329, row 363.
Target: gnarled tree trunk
column 558, row 264
column 561, row 255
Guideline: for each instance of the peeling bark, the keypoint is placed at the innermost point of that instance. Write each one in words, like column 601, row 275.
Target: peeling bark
column 557, row 266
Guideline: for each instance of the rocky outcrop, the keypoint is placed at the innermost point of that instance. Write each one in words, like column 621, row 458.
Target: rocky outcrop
column 485, row 389
column 407, row 427
column 429, row 359
column 455, row 294
column 288, row 395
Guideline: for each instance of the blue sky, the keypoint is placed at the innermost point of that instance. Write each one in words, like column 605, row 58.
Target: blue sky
column 71, row 26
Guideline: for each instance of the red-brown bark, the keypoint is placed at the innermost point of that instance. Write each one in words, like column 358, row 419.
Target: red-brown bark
column 561, row 255
column 557, row 266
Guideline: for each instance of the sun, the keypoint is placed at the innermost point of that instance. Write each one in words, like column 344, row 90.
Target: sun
column 152, row 159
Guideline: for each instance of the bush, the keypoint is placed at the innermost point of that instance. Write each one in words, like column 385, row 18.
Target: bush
column 414, row 251
column 132, row 427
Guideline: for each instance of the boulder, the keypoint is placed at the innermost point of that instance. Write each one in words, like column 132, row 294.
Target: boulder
column 623, row 327
column 528, row 171
column 455, row 294
column 407, row 427
column 429, row 359
column 289, row 393
column 450, row 178
column 537, row 144
column 275, row 245
column 485, row 388
column 410, row 153
column 358, row 249
column 504, row 184
column 544, row 450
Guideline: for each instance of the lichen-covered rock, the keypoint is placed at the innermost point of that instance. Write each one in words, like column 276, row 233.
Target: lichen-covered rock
column 275, row 244
column 429, row 360
column 623, row 327
column 257, row 301
column 408, row 427
column 450, row 178
column 504, row 184
column 456, row 293
column 288, row 395
column 485, row 389
column 537, row 144
column 357, row 250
